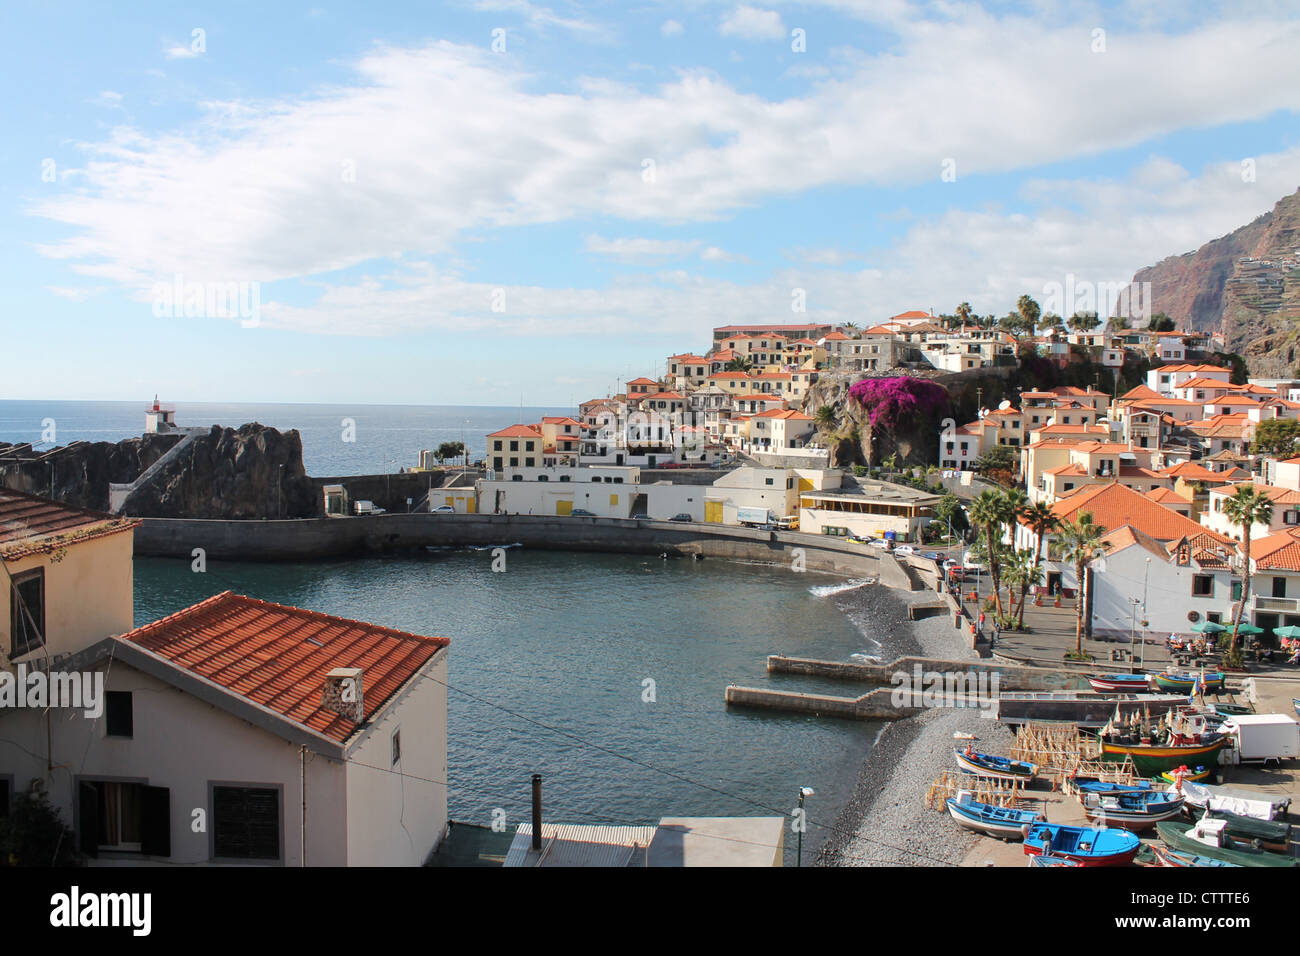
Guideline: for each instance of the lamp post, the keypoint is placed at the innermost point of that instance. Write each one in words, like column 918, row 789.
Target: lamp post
column 803, row 792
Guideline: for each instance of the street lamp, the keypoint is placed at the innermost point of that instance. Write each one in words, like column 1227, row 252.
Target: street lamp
column 803, row 792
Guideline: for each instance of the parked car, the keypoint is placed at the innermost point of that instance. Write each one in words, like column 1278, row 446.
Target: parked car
column 582, row 513
column 641, row 517
column 954, row 570
column 904, row 549
column 681, row 517
column 444, row 510
column 934, row 556
column 971, row 563
column 879, row 543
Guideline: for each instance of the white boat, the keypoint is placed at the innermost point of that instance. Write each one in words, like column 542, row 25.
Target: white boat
column 1004, row 823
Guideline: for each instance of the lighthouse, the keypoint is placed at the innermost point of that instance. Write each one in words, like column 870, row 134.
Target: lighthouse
column 159, row 419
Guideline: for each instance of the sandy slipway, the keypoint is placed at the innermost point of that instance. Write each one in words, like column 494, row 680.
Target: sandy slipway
column 886, row 821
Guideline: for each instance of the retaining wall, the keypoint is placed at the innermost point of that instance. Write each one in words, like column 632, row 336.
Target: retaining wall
column 307, row 538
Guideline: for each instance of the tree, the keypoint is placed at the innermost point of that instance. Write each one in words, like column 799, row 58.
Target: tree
column 964, row 313
column 1161, row 323
column 1053, row 323
column 1042, row 521
column 739, row 364
column 1080, row 544
column 949, row 513
column 825, row 418
column 450, row 449
column 1029, row 311
column 988, row 512
column 1245, row 508
column 998, row 464
column 1023, row 572
column 1276, row 436
column 893, row 403
column 1082, row 321
column 33, row 834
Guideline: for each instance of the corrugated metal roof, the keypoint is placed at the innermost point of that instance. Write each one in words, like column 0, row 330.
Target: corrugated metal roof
column 566, row 844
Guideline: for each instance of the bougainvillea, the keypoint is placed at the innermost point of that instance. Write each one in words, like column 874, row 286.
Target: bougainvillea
column 892, row 403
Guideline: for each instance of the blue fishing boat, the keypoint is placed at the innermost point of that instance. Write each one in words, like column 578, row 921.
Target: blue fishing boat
column 1005, row 823
column 1135, row 810
column 1087, row 846
column 1091, row 785
column 994, row 767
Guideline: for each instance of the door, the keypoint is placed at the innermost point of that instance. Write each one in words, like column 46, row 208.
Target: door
column 713, row 512
column 563, row 507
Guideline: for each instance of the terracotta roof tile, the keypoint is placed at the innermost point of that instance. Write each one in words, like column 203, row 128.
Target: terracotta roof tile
column 30, row 524
column 278, row 656
column 1113, row 506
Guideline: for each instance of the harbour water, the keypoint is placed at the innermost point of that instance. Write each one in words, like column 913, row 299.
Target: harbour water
column 604, row 673
column 384, row 437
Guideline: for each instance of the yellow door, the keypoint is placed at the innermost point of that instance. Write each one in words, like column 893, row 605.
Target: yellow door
column 613, row 499
column 713, row 511
column 471, row 506
column 563, row 507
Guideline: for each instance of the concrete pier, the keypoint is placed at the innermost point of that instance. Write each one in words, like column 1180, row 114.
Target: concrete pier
column 1009, row 677
column 875, row 705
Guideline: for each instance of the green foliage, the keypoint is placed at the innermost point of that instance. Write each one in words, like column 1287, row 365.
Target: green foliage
column 1276, row 436
column 1161, row 323
column 33, row 834
column 450, row 449
column 859, row 470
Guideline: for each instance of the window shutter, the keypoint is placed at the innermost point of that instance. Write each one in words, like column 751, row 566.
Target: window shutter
column 88, row 819
column 156, row 821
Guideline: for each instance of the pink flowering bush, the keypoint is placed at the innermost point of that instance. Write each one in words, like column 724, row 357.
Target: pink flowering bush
column 899, row 403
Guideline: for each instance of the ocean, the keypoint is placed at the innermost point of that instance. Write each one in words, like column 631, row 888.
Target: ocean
column 386, row 438
column 604, row 673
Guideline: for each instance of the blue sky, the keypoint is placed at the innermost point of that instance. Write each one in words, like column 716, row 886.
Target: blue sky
column 424, row 218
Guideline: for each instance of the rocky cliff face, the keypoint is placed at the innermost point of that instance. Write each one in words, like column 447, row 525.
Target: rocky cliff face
column 249, row 472
column 80, row 474
column 1245, row 284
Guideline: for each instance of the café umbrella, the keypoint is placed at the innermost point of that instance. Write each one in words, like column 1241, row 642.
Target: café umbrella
column 1209, row 627
column 1289, row 631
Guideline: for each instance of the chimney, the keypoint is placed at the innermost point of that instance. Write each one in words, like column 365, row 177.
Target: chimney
column 537, row 813
column 342, row 693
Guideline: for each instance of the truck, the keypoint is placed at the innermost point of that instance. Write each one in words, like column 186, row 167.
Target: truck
column 1262, row 738
column 754, row 517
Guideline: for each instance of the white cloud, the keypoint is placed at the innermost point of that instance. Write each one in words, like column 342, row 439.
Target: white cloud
column 108, row 99
column 671, row 28
column 542, row 17
column 180, row 51
column 715, row 254
column 753, row 23
column 632, row 250
column 449, row 141
column 74, row 293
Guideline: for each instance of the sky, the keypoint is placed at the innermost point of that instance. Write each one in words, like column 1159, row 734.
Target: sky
column 499, row 201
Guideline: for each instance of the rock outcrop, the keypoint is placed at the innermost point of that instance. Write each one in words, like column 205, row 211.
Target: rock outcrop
column 1246, row 285
column 249, row 472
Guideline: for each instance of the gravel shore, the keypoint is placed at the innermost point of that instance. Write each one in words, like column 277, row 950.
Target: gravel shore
column 886, row 822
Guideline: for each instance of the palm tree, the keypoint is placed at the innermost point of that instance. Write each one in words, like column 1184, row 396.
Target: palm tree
column 825, row 418
column 986, row 513
column 739, row 364
column 1080, row 543
column 1023, row 571
column 964, row 312
column 1246, row 508
column 1042, row 521
column 890, row 462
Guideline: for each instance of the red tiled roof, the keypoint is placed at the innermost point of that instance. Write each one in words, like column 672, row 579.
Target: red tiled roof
column 30, row 524
column 1279, row 551
column 278, row 656
column 914, row 314
column 517, row 431
column 643, row 381
column 1114, row 505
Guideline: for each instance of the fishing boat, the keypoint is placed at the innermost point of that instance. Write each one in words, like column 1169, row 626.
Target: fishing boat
column 1048, row 859
column 1005, row 823
column 1091, row 785
column 1167, row 857
column 994, row 767
column 1206, row 838
column 1180, row 739
column 1245, row 803
column 1121, row 683
column 1183, row 773
column 1272, row 835
column 1232, row 710
column 1087, row 846
column 1185, row 683
column 1135, row 810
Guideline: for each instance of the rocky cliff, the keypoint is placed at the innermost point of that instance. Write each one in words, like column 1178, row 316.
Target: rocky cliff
column 249, row 472
column 1246, row 285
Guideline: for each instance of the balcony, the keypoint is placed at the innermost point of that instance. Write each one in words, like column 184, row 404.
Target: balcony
column 1284, row 605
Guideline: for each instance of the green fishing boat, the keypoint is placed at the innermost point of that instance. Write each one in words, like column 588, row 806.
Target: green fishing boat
column 1205, row 838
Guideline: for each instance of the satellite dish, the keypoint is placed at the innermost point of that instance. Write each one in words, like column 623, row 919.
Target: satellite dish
column 983, row 412
column 1003, row 405
column 1052, row 420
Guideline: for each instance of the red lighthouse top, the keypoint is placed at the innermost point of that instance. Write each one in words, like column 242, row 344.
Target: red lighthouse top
column 155, row 402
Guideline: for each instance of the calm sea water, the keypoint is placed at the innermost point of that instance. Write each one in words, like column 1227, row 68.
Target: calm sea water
column 568, row 641
column 387, row 437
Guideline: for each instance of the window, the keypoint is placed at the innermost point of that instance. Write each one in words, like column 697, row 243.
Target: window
column 123, row 817
column 769, row 481
column 1202, row 585
column 530, row 462
column 514, row 446
column 27, row 611
column 496, row 445
column 1279, row 587
column 245, row 823
column 397, row 746
column 1236, row 591
column 119, row 715
column 516, row 477
column 564, row 477
column 514, row 462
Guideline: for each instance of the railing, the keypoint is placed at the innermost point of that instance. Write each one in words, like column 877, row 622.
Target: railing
column 1289, row 605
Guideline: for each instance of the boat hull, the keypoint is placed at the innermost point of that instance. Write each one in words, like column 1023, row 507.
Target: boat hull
column 1152, row 761
column 1175, row 835
column 1072, row 843
column 1118, row 684
column 999, row 829
column 976, row 767
column 1128, row 820
column 1186, row 685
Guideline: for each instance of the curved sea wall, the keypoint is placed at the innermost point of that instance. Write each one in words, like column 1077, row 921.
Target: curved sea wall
column 304, row 539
